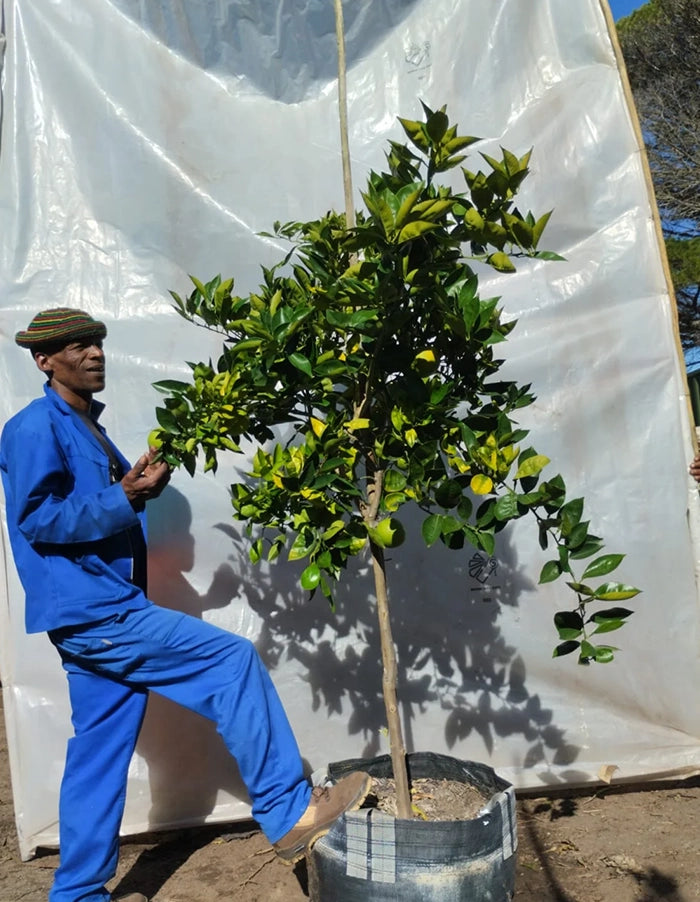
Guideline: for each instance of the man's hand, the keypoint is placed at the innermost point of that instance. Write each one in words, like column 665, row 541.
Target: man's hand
column 695, row 468
column 145, row 480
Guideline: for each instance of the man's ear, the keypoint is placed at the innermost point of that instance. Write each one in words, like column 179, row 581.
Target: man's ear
column 42, row 360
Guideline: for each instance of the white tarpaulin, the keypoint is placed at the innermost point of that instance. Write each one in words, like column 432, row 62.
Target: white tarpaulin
column 142, row 141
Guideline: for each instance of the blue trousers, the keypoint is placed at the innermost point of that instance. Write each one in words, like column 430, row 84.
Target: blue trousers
column 112, row 665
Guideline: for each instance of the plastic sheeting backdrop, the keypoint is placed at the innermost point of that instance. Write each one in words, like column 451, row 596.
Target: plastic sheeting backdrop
column 144, row 141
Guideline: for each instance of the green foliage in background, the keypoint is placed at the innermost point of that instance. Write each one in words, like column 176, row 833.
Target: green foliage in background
column 661, row 46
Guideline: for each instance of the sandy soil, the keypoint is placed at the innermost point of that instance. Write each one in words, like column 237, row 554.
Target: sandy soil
column 610, row 845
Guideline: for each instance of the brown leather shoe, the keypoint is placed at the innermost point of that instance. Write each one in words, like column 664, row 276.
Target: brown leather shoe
column 325, row 807
column 132, row 897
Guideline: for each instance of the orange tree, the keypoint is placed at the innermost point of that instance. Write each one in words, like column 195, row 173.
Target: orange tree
column 372, row 346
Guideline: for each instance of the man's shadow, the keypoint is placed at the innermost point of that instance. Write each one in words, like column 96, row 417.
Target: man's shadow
column 188, row 763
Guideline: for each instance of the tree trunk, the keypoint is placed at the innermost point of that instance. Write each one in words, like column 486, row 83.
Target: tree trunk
column 389, row 679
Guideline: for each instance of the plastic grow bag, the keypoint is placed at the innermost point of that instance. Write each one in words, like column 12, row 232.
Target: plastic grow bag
column 369, row 856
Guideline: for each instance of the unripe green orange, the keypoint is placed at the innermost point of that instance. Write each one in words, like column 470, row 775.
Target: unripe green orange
column 155, row 439
column 389, row 533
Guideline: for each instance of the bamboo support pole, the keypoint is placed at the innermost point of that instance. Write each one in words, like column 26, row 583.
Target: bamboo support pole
column 656, row 218
column 343, row 112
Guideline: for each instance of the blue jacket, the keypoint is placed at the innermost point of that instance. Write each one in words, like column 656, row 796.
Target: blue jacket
column 73, row 534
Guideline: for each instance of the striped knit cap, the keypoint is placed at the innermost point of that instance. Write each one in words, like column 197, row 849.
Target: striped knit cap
column 59, row 326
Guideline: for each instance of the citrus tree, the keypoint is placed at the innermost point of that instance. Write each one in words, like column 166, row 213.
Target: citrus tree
column 373, row 349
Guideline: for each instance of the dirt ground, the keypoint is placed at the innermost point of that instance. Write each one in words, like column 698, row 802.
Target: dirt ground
column 606, row 845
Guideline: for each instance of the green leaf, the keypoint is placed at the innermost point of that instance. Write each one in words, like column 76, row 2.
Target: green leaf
column 550, row 572
column 486, row 540
column 394, row 481
column 448, row 494
column 415, row 132
column 602, row 565
column 166, row 419
column 301, row 362
column 538, row 228
column 256, row 550
column 171, row 385
column 570, row 515
column 436, row 126
column 432, row 529
column 301, row 547
column 569, row 624
column 201, row 288
column 495, row 164
column 610, row 614
column 507, row 507
column 408, row 201
column 464, row 508
column 453, row 540
column 615, row 592
column 608, row 626
column 591, row 546
column 449, row 524
column 565, row 648
column 548, row 255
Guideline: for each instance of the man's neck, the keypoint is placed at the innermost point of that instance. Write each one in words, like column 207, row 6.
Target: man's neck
column 78, row 401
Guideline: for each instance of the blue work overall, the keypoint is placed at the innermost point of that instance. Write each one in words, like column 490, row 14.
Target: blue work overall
column 111, row 667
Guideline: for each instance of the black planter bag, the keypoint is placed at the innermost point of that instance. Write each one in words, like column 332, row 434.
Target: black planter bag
column 369, row 856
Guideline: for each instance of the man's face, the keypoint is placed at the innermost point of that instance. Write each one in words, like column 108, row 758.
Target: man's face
column 77, row 370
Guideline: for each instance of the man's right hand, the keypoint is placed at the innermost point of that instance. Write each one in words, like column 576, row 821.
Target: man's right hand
column 145, row 480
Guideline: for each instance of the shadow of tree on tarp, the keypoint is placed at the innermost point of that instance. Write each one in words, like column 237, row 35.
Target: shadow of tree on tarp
column 446, row 608
column 188, row 763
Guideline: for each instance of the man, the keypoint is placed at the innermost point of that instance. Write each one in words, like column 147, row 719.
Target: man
column 75, row 514
column 694, row 468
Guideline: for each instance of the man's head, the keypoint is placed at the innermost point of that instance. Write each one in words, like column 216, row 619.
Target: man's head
column 67, row 346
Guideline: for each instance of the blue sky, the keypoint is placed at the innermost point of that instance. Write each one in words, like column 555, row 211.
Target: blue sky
column 624, row 7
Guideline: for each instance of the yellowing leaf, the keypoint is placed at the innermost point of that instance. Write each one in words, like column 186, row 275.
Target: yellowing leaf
column 356, row 545
column 509, row 453
column 531, row 466
column 481, row 485
column 501, row 262
column 474, row 219
column 318, row 426
column 415, row 230
column 425, row 362
column 359, row 423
